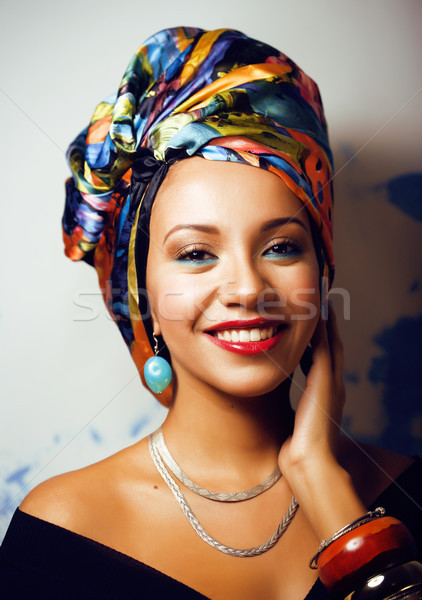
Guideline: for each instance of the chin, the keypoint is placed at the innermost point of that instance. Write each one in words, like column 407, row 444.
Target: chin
column 243, row 385
column 251, row 392
column 236, row 376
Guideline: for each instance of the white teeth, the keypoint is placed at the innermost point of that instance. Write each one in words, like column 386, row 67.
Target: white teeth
column 246, row 335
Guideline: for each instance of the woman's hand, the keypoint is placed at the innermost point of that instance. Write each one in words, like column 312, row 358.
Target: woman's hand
column 308, row 458
column 318, row 415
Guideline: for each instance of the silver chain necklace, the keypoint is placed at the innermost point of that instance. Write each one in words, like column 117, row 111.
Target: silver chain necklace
column 255, row 551
column 172, row 466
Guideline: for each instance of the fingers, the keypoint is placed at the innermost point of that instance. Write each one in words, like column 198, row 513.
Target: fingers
column 321, row 353
column 326, row 340
column 336, row 348
column 328, row 359
column 336, row 345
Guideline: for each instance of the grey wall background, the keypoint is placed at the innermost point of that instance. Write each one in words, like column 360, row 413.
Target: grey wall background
column 70, row 394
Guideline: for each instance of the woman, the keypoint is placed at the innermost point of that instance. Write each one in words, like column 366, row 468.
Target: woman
column 222, row 269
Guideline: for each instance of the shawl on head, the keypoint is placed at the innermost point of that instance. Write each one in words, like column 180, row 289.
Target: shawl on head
column 216, row 94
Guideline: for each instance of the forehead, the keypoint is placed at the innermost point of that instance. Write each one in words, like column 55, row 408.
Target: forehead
column 230, row 194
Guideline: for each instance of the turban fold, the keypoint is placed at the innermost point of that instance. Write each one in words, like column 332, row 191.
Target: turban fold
column 188, row 92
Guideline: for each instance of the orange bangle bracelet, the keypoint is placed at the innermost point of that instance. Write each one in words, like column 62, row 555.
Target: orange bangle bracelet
column 358, row 554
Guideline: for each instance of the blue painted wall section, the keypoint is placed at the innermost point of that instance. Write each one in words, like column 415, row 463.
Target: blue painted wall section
column 399, row 371
column 405, row 192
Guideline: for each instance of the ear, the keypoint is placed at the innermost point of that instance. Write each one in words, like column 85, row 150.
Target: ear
column 155, row 324
column 148, row 306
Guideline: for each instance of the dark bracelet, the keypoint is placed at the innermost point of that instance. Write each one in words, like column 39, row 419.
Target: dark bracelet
column 402, row 582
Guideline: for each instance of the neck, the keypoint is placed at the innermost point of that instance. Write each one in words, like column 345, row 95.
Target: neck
column 226, row 436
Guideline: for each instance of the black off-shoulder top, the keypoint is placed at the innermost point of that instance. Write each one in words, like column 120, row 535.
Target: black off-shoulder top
column 42, row 560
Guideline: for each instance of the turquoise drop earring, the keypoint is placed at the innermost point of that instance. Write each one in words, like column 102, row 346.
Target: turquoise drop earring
column 157, row 371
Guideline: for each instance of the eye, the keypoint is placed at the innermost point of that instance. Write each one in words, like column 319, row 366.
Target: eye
column 195, row 255
column 283, row 249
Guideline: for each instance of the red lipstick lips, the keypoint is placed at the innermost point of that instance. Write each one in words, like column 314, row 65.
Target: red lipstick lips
column 247, row 348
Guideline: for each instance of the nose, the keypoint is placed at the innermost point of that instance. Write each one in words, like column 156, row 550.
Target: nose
column 245, row 285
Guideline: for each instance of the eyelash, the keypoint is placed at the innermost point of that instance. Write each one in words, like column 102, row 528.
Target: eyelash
column 293, row 249
column 187, row 254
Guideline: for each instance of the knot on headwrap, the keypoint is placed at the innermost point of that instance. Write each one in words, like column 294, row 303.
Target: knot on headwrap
column 188, row 92
column 145, row 166
column 148, row 172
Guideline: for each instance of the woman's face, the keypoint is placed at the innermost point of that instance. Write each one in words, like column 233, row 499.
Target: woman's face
column 232, row 276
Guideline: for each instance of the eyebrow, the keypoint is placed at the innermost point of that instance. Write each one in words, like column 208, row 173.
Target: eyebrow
column 283, row 221
column 214, row 230
column 204, row 228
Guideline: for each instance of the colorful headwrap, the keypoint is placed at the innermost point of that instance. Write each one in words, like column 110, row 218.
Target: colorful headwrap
column 216, row 94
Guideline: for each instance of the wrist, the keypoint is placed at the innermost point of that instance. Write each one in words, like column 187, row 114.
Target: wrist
column 325, row 493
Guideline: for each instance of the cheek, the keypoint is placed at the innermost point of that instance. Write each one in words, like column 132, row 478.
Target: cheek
column 174, row 299
column 306, row 295
column 303, row 310
column 300, row 292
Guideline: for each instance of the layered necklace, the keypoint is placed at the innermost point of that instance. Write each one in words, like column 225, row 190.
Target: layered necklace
column 166, row 464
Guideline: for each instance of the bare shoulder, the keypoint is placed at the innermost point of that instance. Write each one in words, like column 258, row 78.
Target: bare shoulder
column 55, row 499
column 79, row 499
column 372, row 468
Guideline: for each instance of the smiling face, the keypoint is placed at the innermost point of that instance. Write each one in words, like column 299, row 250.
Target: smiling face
column 232, row 276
